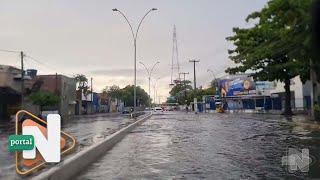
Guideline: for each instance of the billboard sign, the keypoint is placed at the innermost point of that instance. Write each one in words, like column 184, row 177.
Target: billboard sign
column 264, row 87
column 237, row 86
column 87, row 97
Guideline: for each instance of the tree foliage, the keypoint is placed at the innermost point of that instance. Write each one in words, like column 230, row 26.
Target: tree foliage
column 183, row 93
column 82, row 84
column 126, row 94
column 44, row 98
column 278, row 46
column 179, row 92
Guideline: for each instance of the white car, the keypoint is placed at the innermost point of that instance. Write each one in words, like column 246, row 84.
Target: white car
column 158, row 110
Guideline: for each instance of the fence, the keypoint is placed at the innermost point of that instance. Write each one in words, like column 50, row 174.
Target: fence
column 259, row 102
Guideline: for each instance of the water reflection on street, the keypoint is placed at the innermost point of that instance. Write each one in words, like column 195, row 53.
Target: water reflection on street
column 211, row 146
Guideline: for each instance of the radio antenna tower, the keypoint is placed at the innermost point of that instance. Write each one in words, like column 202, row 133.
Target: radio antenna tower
column 175, row 69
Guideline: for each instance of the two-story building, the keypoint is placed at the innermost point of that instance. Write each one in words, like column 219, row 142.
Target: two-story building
column 63, row 86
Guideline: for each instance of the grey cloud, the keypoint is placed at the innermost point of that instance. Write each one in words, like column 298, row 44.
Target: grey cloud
column 114, row 72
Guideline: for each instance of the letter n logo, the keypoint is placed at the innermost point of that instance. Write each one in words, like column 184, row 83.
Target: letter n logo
column 49, row 144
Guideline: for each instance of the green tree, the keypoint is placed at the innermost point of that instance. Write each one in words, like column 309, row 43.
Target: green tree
column 82, row 84
column 179, row 91
column 210, row 90
column 126, row 94
column 44, row 98
column 113, row 91
column 277, row 47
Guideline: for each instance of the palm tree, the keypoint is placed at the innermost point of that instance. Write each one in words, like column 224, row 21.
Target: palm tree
column 82, row 84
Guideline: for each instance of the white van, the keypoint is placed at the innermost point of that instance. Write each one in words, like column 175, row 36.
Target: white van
column 158, row 110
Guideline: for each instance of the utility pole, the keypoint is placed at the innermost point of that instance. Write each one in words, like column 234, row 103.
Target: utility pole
column 22, row 80
column 92, row 97
column 194, row 72
column 195, row 84
column 56, row 83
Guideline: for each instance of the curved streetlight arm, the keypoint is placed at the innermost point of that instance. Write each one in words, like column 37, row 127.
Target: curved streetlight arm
column 155, row 82
column 153, row 67
column 149, row 74
column 212, row 73
column 127, row 22
column 153, row 9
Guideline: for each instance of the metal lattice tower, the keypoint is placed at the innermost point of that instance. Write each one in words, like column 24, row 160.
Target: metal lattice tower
column 175, row 57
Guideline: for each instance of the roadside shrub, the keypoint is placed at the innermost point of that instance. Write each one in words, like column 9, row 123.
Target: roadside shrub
column 317, row 111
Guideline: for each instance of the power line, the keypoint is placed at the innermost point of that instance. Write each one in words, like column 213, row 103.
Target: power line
column 46, row 65
column 9, row 51
column 37, row 61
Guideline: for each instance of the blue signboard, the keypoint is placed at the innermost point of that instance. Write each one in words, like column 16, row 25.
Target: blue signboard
column 236, row 87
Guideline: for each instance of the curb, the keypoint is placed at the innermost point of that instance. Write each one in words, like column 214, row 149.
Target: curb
column 75, row 164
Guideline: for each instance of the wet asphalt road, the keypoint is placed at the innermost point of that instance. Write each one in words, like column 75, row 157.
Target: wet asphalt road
column 209, row 146
column 87, row 130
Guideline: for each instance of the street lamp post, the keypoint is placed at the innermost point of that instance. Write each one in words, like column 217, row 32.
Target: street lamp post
column 134, row 36
column 215, row 78
column 149, row 78
column 154, row 91
column 156, row 94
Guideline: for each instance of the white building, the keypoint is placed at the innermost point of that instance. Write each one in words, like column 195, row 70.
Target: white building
column 301, row 93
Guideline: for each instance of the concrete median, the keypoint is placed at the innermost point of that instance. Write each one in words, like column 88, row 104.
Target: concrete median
column 75, row 164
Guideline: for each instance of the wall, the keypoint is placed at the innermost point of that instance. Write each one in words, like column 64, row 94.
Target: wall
column 68, row 95
column 306, row 88
column 7, row 74
column 296, row 87
column 64, row 86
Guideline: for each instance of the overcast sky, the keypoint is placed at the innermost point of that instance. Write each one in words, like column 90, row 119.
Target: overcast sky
column 87, row 37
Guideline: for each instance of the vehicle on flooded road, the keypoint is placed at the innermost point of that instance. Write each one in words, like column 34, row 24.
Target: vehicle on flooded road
column 158, row 110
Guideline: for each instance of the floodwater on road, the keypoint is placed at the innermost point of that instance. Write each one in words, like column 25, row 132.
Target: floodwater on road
column 86, row 130
column 209, row 146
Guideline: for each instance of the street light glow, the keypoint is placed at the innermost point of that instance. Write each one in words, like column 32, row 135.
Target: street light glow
column 154, row 9
column 115, row 9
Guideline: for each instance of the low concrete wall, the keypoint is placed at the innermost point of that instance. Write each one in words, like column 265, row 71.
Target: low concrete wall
column 75, row 164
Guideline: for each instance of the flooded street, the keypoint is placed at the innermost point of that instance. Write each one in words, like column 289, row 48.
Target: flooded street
column 86, row 130
column 210, row 146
